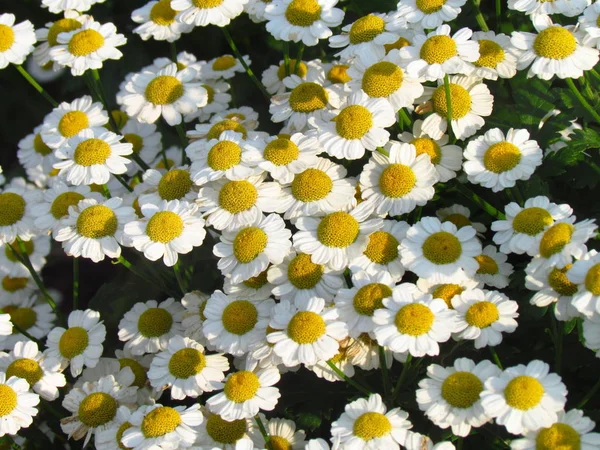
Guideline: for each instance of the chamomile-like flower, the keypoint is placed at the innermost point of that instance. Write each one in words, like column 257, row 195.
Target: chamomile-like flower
column 460, row 216
column 18, row 404
column 46, row 37
column 34, row 152
column 591, row 333
column 430, row 14
column 218, row 100
column 144, row 138
column 552, row 285
column 447, row 290
column 16, row 214
column 36, row 249
column 586, row 274
column 284, row 157
column 417, row 441
column 493, row 269
column 16, row 41
column 215, row 432
column 524, row 398
column 254, row 288
column 201, row 13
column 14, row 291
column 29, row 315
column 449, row 396
column 589, row 25
column 272, row 78
column 58, row 6
column 281, row 433
column 110, row 437
column 157, row 19
column 194, row 303
column 539, row 10
column 497, row 56
column 225, row 66
column 166, row 185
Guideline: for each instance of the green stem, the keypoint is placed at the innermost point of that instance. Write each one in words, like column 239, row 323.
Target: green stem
column 403, row 375
column 582, row 100
column 173, row 49
column 264, row 433
column 180, row 280
column 101, row 93
column 286, row 57
column 402, row 113
column 124, row 183
column 557, row 337
column 459, row 443
column 140, row 162
column 75, row 283
column 498, row 14
column 488, row 208
column 448, row 105
column 240, row 58
column 125, row 263
column 348, row 380
column 384, row 373
column 496, row 357
column 589, row 395
column 106, row 191
column 594, row 73
column 184, row 141
column 479, row 16
column 299, row 58
column 28, row 336
column 36, row 85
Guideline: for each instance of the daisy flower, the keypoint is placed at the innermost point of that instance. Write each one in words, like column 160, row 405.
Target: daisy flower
column 298, row 278
column 358, row 126
column 417, row 441
column 16, row 41
column 586, row 274
column 552, row 285
column 432, row 56
column 302, row 20
column 14, row 291
column 166, row 185
column 247, row 252
column 201, row 13
column 194, row 303
column 231, row 325
column 34, row 152
column 37, row 319
column 186, row 369
column 215, row 432
column 80, row 344
column 272, row 78
column 524, row 398
column 147, row 327
column 497, row 162
column 254, row 288
column 367, row 36
column 381, row 254
column 460, row 216
column 218, row 100
column 162, row 427
column 225, row 66
column 571, row 430
column 340, row 360
column 245, row 393
column 413, row 322
column 68, row 119
column 430, row 14
column 538, row 8
column 18, row 404
column 170, row 93
column 216, row 126
column 449, row 396
column 555, row 50
column 43, row 74
column 110, row 437
column 157, row 20
column 524, row 226
column 497, row 56
column 36, row 249
column 306, row 334
column 94, row 406
column 433, row 248
column 337, row 238
column 88, row 46
column 166, row 230
column 397, row 183
column 367, row 424
column 447, row 290
column 483, row 316
column 282, row 433
column 16, row 211
column 144, row 138
column 471, row 100
column 357, row 304
column 493, row 270
column 589, row 25
column 591, row 333
column 58, row 6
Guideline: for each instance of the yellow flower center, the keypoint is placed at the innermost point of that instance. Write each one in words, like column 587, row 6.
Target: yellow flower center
column 280, row 443
column 164, row 90
column 240, row 317
column 24, row 318
column 135, row 140
column 303, row 13
column 91, row 151
column 487, row 265
column 224, row 62
column 303, row 273
column 532, row 221
column 15, row 246
column 226, row 125
column 72, row 123
column 241, row 386
column 490, row 54
column 210, row 92
column 10, row 284
column 281, row 152
column 155, row 322
column 397, row 180
column 559, row 436
column 459, row 97
column 8, row 400
column 61, row 26
column 555, row 239
column 306, row 327
column 225, row 432
column 400, row 43
column 382, row 79
column 339, row 74
column 162, row 13
column 442, row 248
column 121, row 118
column 160, row 421
column 555, row 43
column 429, row 147
column 447, row 292
column 96, row 222
column 370, row 297
column 138, row 371
column 40, row 147
column 459, row 220
column 382, row 247
column 237, row 116
column 174, row 184
column 308, row 97
column 366, row 29
column 353, row 122
column 258, row 281
column 186, row 363
column 338, row 229
column 12, row 208
column 97, row 409
column 206, row 4
column 482, row 314
column 501, row 157
column 73, row 342
column 430, row 6
column 237, row 196
column 558, row 281
column 592, row 280
column 301, row 71
column 224, row 155
column 371, row 425
column 249, row 243
column 414, row 319
column 164, row 226
column 85, row 42
column 523, row 392
column 25, row 368
column 461, row 389
column 438, row 49
column 311, row 185
column 120, row 432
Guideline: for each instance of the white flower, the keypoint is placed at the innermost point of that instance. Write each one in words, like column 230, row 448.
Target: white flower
column 201, row 13
column 58, row 6
column 589, row 24
column 16, row 41
column 217, row 433
column 459, row 215
column 449, row 396
column 18, row 404
column 144, row 138
column 37, row 249
column 272, row 78
column 447, row 290
column 586, row 274
column 284, row 157
column 110, row 437
column 16, row 215
column 591, row 333
column 366, row 424
column 430, row 14
column 417, row 441
column 34, row 152
column 88, row 46
column 539, row 10
column 80, row 344
column 194, row 303
column 218, row 99
column 157, row 20
column 497, row 56
column 46, row 37
column 225, row 67
column 493, row 269
column 37, row 319
column 167, row 185
column 553, row 286
column 254, row 288
column 524, row 398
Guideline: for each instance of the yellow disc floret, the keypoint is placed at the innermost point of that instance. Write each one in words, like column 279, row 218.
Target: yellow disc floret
column 120, row 432
column 370, row 297
column 61, row 26
column 460, row 220
column 523, row 392
column 339, row 74
column 366, row 29
column 96, row 222
column 430, row 6
column 592, row 279
column 72, row 123
column 482, row 314
column 25, row 368
column 85, row 42
column 442, row 248
column 501, row 157
column 186, row 363
column 400, row 43
column 15, row 248
column 162, row 14
column 241, row 386
column 13, row 284
column 382, row 79
column 281, row 152
column 301, row 71
column 303, row 13
column 91, row 151
column 249, row 243
column 303, row 273
column 438, row 49
column 136, row 141
column 240, row 317
column 223, row 63
column 12, row 208
column 164, row 226
column 311, row 185
column 224, row 155
column 237, row 196
column 338, row 229
column 24, row 318
column 490, row 54
column 174, row 185
column 555, row 238
column 226, row 125
column 160, row 421
column 40, row 146
column 306, row 327
column 397, row 180
column 382, row 247
column 532, row 221
column 97, row 409
column 225, row 432
column 73, row 342
column 371, row 425
column 555, row 43
column 461, row 389
column 428, row 147
column 308, row 97
column 138, row 370
column 558, row 281
column 164, row 90
column 460, row 98
column 487, row 265
column 155, row 322
column 447, row 292
column 414, row 319
column 280, row 443
column 559, row 436
column 353, row 122
column 8, row 400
